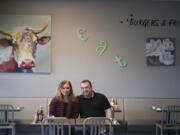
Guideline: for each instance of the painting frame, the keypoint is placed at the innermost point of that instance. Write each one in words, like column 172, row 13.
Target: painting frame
column 40, row 26
column 160, row 51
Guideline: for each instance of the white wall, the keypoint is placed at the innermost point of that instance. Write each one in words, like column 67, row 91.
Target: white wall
column 75, row 60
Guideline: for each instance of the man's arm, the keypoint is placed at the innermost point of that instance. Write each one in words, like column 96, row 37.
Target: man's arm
column 109, row 113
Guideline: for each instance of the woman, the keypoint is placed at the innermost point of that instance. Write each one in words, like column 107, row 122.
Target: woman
column 64, row 104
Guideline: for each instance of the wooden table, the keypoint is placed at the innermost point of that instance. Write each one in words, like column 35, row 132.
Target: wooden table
column 72, row 121
column 27, row 127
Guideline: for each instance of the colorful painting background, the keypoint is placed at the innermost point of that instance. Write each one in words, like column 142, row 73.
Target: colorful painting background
column 43, row 55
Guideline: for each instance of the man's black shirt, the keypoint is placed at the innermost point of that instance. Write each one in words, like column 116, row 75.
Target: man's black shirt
column 94, row 106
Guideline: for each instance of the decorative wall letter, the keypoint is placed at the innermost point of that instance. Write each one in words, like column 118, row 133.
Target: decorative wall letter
column 119, row 61
column 80, row 33
column 103, row 47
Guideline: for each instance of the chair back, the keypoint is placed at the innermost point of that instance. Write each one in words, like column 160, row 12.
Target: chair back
column 97, row 125
column 170, row 115
column 55, row 125
column 6, row 114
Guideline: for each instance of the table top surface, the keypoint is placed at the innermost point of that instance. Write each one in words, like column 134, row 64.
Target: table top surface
column 117, row 110
column 158, row 109
column 17, row 109
column 74, row 122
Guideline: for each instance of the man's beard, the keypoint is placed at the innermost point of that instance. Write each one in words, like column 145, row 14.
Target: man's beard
column 87, row 94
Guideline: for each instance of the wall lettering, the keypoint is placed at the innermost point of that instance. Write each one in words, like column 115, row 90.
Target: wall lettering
column 146, row 22
column 80, row 33
column 101, row 49
column 120, row 61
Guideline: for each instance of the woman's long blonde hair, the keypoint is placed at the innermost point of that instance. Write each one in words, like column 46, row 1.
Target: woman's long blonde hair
column 59, row 96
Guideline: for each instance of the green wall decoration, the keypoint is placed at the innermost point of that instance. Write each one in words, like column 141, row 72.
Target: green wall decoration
column 102, row 48
column 80, row 33
column 118, row 60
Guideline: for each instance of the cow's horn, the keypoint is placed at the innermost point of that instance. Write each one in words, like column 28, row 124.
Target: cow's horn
column 41, row 29
column 6, row 34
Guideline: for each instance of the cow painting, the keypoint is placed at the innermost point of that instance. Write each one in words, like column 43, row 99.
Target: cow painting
column 19, row 49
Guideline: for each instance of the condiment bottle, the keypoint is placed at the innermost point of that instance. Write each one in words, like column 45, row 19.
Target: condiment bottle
column 40, row 114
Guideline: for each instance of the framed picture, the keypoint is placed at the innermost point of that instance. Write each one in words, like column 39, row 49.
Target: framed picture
column 160, row 51
column 25, row 43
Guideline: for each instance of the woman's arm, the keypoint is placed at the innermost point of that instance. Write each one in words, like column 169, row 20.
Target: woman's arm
column 76, row 109
column 52, row 106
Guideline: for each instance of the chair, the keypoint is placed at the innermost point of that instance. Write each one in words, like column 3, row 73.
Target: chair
column 55, row 125
column 170, row 119
column 97, row 125
column 7, row 118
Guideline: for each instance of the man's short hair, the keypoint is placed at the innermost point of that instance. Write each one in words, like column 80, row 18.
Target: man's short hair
column 84, row 81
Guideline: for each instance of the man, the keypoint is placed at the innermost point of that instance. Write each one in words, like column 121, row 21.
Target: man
column 93, row 104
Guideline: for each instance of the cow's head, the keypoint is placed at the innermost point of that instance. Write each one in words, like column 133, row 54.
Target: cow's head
column 24, row 46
